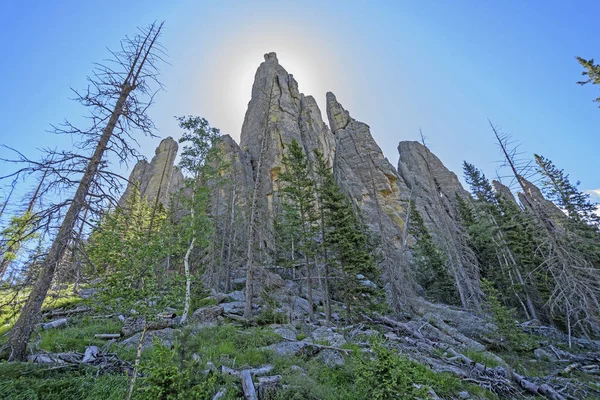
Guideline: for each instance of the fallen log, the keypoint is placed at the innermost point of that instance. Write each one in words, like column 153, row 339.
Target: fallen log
column 91, row 353
column 107, row 336
column 55, row 324
column 248, row 385
column 61, row 313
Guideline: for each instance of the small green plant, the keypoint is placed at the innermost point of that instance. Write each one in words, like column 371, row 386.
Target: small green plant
column 390, row 376
column 508, row 335
column 167, row 380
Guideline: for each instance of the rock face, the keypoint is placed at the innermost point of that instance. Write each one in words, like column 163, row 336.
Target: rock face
column 432, row 188
column 277, row 114
column 158, row 179
column 503, row 191
column 373, row 184
column 532, row 199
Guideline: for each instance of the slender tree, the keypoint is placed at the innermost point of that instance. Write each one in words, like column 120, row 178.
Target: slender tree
column 118, row 97
column 199, row 137
column 592, row 71
column 299, row 189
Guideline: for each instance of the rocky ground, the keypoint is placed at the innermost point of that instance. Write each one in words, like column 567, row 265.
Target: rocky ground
column 282, row 352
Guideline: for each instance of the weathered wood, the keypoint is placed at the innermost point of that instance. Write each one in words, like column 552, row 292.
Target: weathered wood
column 91, row 353
column 220, row 394
column 107, row 336
column 167, row 315
column 268, row 386
column 61, row 313
column 248, row 385
column 55, row 324
column 261, row 371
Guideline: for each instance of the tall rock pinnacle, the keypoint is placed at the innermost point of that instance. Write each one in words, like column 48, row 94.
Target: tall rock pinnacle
column 372, row 182
column 277, row 114
column 157, row 178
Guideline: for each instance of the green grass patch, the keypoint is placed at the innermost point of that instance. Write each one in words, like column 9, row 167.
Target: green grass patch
column 78, row 334
column 21, row 381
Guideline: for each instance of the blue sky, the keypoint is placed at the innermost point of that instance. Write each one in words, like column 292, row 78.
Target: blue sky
column 441, row 66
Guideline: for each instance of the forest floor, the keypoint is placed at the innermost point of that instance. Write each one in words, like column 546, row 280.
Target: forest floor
column 373, row 358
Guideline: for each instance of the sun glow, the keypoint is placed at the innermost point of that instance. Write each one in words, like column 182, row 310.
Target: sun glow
column 232, row 72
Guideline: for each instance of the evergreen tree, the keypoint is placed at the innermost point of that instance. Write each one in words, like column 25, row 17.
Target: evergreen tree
column 558, row 188
column 500, row 236
column 346, row 242
column 299, row 190
column 199, row 137
column 430, row 263
column 592, row 71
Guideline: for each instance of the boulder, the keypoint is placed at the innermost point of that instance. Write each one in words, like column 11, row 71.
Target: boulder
column 207, row 316
column 327, row 336
column 166, row 337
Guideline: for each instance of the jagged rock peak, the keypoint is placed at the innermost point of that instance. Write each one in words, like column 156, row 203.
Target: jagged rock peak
column 533, row 199
column 272, row 56
column 337, row 114
column 503, row 191
column 159, row 178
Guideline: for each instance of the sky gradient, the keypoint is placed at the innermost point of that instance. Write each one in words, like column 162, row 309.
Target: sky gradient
column 444, row 67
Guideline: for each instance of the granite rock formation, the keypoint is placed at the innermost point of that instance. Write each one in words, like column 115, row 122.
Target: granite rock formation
column 158, row 179
column 375, row 187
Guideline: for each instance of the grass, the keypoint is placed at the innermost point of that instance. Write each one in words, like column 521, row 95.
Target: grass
column 304, row 377
column 228, row 345
column 78, row 334
column 12, row 300
column 21, row 381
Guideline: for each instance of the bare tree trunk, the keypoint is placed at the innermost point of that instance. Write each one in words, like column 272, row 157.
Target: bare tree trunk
column 231, row 234
column 252, row 222
column 188, row 282
column 251, row 234
column 15, row 246
column 16, row 345
column 19, row 335
column 311, row 314
column 136, row 366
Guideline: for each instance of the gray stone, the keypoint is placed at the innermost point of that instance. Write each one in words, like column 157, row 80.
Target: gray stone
column 237, row 295
column 368, row 284
column 207, row 316
column 166, row 337
column 327, row 335
column 279, row 113
column 288, row 348
column 331, row 358
column 286, row 333
column 156, row 179
column 374, row 186
column 236, row 307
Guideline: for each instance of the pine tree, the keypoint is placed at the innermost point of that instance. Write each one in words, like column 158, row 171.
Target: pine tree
column 346, row 243
column 199, row 138
column 558, row 188
column 430, row 263
column 592, row 71
column 299, row 190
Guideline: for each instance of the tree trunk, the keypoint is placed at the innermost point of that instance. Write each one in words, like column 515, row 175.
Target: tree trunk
column 16, row 346
column 251, row 227
column 311, row 315
column 136, row 366
column 188, row 282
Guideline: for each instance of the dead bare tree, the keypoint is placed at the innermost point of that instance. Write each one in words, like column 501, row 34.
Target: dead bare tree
column 576, row 280
column 462, row 262
column 250, row 256
column 118, row 96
